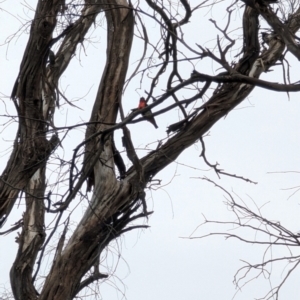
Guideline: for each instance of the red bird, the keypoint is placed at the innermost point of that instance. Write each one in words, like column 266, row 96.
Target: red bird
column 148, row 114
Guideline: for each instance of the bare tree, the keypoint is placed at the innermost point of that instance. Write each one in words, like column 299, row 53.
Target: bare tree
column 268, row 233
column 97, row 173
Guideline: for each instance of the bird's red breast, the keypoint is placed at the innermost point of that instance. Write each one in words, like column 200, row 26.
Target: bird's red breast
column 142, row 103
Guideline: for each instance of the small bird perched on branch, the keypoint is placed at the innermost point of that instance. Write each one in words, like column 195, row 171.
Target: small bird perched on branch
column 148, row 114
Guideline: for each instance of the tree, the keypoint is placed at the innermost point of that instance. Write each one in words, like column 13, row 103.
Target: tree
column 96, row 172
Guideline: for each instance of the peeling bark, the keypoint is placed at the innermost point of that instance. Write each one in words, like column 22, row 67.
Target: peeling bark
column 30, row 239
column 98, row 226
column 31, row 147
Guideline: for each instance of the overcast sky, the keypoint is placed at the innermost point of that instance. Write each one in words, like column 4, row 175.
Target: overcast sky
column 259, row 140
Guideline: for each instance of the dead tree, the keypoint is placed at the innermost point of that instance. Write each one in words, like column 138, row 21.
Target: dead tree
column 118, row 195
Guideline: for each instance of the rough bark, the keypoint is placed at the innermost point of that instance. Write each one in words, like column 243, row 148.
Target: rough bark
column 30, row 239
column 26, row 167
column 31, row 147
column 98, row 226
